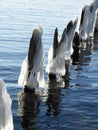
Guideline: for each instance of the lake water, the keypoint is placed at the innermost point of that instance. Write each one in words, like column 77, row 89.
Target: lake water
column 69, row 105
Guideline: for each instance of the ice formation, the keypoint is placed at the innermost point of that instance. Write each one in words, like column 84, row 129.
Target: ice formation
column 31, row 73
column 88, row 19
column 60, row 50
column 69, row 37
column 96, row 21
column 6, row 120
column 56, row 55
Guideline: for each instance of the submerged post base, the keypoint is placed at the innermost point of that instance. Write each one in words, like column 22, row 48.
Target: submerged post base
column 29, row 90
column 52, row 76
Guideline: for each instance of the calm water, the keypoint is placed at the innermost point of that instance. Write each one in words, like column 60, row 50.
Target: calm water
column 68, row 105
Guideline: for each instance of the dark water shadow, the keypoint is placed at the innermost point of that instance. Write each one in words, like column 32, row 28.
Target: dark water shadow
column 79, row 72
column 81, row 51
column 53, row 98
column 85, row 53
column 96, row 40
column 85, row 57
column 28, row 109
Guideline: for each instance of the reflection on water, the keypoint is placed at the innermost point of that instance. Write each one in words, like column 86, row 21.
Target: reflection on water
column 85, row 53
column 96, row 40
column 28, row 109
column 85, row 57
column 53, row 98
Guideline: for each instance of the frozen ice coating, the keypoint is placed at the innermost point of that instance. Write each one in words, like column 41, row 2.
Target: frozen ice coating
column 6, row 120
column 56, row 55
column 83, row 28
column 55, row 65
column 31, row 73
column 96, row 21
column 88, row 20
column 61, row 49
column 69, row 37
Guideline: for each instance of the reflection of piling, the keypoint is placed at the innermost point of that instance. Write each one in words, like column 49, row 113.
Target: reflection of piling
column 96, row 40
column 53, row 99
column 28, row 108
column 84, row 56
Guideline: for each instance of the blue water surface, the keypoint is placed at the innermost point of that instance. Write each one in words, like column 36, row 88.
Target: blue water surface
column 68, row 105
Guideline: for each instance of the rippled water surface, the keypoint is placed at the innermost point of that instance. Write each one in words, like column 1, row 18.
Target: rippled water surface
column 68, row 105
